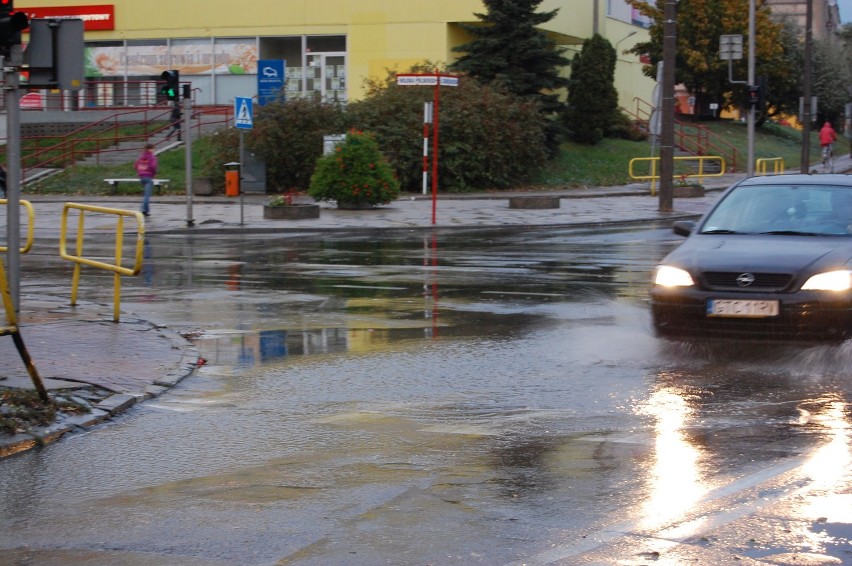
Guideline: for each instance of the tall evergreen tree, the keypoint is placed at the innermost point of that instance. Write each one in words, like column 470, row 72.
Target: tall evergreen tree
column 592, row 98
column 510, row 52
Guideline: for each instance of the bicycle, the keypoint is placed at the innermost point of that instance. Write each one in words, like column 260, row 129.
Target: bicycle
column 828, row 157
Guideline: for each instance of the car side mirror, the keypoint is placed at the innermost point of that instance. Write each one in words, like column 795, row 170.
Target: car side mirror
column 683, row 227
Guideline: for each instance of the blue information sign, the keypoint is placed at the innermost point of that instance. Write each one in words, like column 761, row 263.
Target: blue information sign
column 271, row 74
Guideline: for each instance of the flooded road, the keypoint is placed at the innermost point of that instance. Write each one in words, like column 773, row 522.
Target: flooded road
column 468, row 398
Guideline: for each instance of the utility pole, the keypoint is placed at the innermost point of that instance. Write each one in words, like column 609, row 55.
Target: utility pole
column 667, row 108
column 751, row 81
column 187, row 114
column 11, row 67
column 806, row 90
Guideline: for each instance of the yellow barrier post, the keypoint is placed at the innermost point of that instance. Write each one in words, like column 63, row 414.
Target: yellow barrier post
column 777, row 165
column 30, row 225
column 117, row 269
column 12, row 329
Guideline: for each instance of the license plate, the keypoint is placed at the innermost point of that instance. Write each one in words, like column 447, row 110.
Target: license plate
column 742, row 308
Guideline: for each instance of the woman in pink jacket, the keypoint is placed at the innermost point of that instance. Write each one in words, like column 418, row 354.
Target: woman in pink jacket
column 146, row 168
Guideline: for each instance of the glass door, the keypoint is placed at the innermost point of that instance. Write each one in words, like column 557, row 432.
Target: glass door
column 326, row 77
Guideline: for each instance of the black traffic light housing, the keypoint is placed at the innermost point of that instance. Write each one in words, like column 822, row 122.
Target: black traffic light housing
column 171, row 89
column 12, row 23
column 756, row 96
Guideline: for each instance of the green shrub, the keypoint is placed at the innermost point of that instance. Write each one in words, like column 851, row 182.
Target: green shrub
column 487, row 138
column 288, row 136
column 356, row 173
column 222, row 146
column 624, row 128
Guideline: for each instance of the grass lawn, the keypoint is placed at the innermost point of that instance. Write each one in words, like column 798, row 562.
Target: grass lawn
column 607, row 163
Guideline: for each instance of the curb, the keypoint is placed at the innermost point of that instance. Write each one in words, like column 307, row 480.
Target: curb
column 109, row 406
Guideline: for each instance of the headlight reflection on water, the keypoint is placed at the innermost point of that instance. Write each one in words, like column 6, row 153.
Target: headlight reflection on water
column 676, row 482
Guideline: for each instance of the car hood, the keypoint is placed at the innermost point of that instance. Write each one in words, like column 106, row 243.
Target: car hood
column 766, row 253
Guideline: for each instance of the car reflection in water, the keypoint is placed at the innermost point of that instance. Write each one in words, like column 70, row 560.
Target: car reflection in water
column 771, row 260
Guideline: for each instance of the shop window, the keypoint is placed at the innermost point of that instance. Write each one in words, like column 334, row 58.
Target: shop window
column 235, row 56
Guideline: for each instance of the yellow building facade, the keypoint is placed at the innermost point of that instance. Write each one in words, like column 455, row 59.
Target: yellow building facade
column 329, row 46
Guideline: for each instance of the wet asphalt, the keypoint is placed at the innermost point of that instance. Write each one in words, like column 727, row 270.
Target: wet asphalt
column 82, row 354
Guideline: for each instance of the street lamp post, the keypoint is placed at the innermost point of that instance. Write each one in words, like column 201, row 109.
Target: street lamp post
column 806, row 91
column 667, row 108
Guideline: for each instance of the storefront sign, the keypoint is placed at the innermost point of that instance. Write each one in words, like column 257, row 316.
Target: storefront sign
column 95, row 18
column 190, row 57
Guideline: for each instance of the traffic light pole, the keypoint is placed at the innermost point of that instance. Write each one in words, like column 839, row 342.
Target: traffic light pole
column 187, row 110
column 13, row 172
column 666, row 196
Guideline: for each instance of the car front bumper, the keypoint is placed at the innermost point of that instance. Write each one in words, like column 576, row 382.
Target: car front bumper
column 806, row 316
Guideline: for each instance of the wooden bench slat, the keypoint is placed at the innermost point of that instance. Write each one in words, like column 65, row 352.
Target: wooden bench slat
column 113, row 182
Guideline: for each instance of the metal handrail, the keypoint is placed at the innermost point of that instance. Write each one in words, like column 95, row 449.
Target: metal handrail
column 117, row 268
column 154, row 120
column 68, row 146
column 701, row 141
column 654, row 176
column 30, row 226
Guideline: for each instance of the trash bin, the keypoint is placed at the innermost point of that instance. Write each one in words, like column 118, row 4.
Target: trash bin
column 232, row 179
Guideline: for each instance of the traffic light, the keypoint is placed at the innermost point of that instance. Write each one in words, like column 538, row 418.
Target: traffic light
column 757, row 94
column 12, row 23
column 171, row 89
column 754, row 96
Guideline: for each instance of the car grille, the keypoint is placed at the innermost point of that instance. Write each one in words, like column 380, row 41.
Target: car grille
column 726, row 280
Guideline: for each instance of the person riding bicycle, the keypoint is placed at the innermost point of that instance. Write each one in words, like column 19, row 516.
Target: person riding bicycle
column 827, row 136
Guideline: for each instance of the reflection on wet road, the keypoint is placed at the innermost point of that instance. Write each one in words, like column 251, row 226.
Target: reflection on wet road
column 472, row 398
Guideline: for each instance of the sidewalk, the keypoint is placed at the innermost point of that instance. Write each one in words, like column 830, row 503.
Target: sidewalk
column 580, row 207
column 80, row 353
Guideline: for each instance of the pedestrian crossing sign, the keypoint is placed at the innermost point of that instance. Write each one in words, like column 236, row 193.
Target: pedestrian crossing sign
column 243, row 113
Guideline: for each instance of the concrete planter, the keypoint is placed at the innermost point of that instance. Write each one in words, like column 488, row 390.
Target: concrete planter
column 291, row 212
column 534, row 202
column 355, row 206
column 688, row 191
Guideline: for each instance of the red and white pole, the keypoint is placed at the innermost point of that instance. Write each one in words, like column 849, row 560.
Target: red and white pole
column 436, row 111
column 427, row 121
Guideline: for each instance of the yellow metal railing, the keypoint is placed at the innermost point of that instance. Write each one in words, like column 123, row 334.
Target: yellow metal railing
column 30, row 225
column 117, row 267
column 683, row 168
column 761, row 166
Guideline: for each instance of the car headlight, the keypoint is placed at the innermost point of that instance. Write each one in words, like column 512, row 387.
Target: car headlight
column 668, row 276
column 840, row 280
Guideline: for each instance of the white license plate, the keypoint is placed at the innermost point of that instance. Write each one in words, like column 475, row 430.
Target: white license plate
column 741, row 308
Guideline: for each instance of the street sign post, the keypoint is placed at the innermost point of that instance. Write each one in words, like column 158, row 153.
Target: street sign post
column 243, row 120
column 436, row 80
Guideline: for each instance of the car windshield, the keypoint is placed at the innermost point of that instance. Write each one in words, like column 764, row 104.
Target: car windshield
column 783, row 209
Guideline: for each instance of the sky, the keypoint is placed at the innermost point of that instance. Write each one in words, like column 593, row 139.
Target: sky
column 845, row 11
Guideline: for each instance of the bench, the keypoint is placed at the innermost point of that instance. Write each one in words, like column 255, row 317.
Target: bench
column 113, row 183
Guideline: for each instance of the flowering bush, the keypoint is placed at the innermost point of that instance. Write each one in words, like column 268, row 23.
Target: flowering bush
column 685, row 181
column 285, row 199
column 355, row 173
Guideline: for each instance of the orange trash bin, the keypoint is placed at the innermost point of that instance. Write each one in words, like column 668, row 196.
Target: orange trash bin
column 232, row 183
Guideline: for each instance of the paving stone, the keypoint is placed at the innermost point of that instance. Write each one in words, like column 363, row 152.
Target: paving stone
column 88, row 419
column 117, row 403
